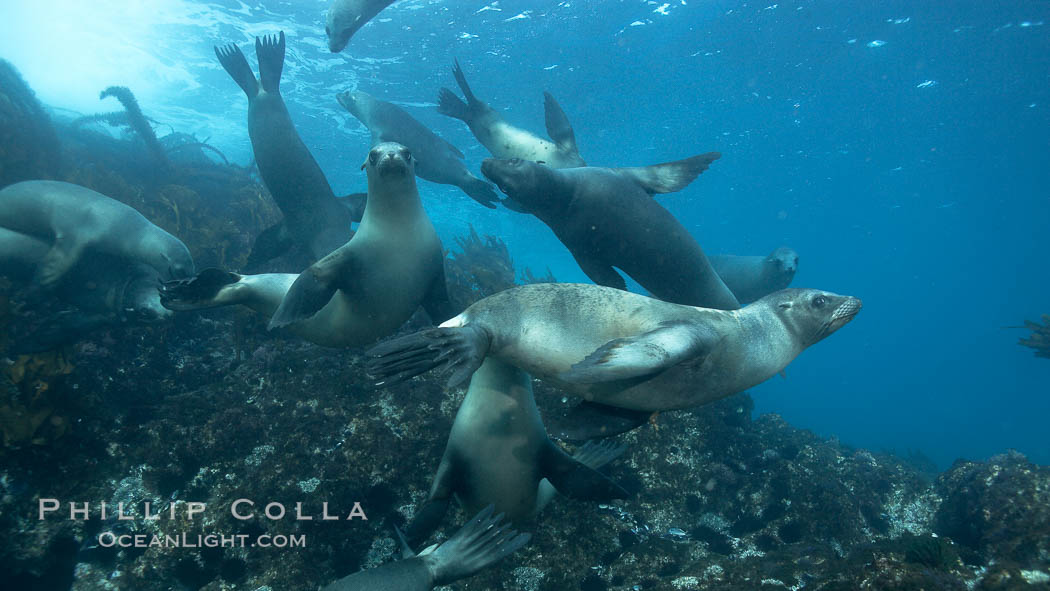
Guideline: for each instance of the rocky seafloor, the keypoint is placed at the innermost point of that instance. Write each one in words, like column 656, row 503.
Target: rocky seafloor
column 214, row 409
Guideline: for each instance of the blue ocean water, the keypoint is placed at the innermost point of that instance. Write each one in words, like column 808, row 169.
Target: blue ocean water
column 900, row 147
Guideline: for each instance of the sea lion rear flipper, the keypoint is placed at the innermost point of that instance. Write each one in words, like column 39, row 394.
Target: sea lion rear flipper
column 436, row 301
column 460, row 349
column 575, row 479
column 594, row 454
column 669, row 176
column 644, row 354
column 450, row 105
column 270, row 244
column 479, row 191
column 591, row 420
column 269, row 49
column 237, row 67
column 483, row 541
column 355, row 202
column 558, row 127
column 461, row 80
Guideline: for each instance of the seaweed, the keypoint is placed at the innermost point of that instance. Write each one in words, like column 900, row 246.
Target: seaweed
column 139, row 123
column 29, row 146
column 1040, row 337
column 481, row 268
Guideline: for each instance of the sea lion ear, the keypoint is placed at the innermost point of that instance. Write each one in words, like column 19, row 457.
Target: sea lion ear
column 364, row 164
column 785, row 305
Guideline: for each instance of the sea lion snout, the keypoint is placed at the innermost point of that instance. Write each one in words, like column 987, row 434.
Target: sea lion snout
column 847, row 309
column 390, row 158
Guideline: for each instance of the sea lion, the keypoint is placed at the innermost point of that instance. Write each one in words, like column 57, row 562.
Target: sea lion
column 504, row 140
column 312, row 216
column 619, row 348
column 74, row 220
column 436, row 160
column 498, row 452
column 480, row 543
column 104, row 290
column 346, row 17
column 607, row 218
column 363, row 290
column 753, row 277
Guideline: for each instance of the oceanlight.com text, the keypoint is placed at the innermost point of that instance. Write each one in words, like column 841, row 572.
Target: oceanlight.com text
column 110, row 539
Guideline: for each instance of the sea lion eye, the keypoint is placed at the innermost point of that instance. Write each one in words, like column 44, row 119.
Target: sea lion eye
column 328, row 30
column 406, row 155
column 819, row 301
column 514, row 161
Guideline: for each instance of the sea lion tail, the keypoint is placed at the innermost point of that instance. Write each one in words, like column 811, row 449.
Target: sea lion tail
column 460, row 350
column 196, row 292
column 450, row 105
column 308, row 294
column 480, row 191
column 483, row 541
column 269, row 49
column 237, row 67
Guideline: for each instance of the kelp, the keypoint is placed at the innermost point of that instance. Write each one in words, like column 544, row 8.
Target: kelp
column 483, row 266
column 1040, row 337
column 29, row 145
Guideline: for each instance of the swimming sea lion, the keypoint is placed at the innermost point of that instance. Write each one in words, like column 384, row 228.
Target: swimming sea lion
column 619, row 348
column 504, row 140
column 312, row 216
column 74, row 220
column 436, row 160
column 498, row 452
column 345, row 17
column 104, row 290
column 363, row 290
column 607, row 218
column 753, row 277
column 482, row 542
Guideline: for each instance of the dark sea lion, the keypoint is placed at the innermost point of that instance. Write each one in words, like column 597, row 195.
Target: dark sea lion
column 103, row 290
column 346, row 17
column 607, row 218
column 619, row 348
column 363, row 290
column 480, row 543
column 504, row 140
column 436, row 160
column 312, row 217
column 75, row 220
column 498, row 453
column 753, row 277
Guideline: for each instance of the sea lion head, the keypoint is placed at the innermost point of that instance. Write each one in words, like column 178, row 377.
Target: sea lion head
column 781, row 265
column 343, row 19
column 168, row 255
column 812, row 314
column 141, row 302
column 388, row 161
column 356, row 102
column 526, row 182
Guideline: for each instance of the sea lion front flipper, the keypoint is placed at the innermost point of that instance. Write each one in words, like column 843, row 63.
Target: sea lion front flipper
column 479, row 191
column 436, row 301
column 314, row 287
column 429, row 516
column 269, row 49
column 669, row 176
column 483, row 541
column 558, row 127
column 600, row 273
column 575, row 479
column 591, row 420
column 270, row 244
column 644, row 354
column 199, row 291
column 235, row 64
column 58, row 260
column 355, row 202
